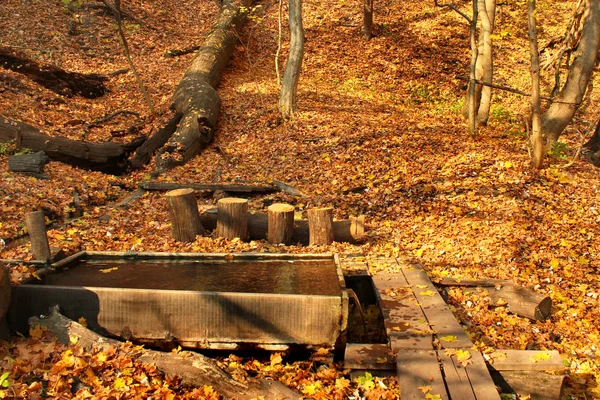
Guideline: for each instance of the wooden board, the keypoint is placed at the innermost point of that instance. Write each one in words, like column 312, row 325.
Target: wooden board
column 436, row 310
column 363, row 356
column 457, row 380
column 479, row 376
column 537, row 384
column 526, row 360
column 419, row 369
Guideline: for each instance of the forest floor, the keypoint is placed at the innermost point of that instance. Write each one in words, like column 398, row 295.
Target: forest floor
column 379, row 132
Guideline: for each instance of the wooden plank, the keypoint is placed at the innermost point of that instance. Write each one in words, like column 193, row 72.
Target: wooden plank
column 536, row 384
column 526, row 360
column 436, row 310
column 479, row 376
column 369, row 357
column 457, row 380
column 404, row 321
column 419, row 369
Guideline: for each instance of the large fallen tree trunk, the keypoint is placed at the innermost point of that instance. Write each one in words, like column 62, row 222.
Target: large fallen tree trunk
column 349, row 230
column 51, row 77
column 107, row 157
column 196, row 97
column 194, row 370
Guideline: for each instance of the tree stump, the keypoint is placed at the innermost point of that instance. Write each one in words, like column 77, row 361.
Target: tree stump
column 232, row 218
column 320, row 225
column 185, row 220
column 281, row 223
column 36, row 227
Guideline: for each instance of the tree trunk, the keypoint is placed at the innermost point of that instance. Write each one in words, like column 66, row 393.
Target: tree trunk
column 485, row 59
column 193, row 369
column 53, row 78
column 288, row 97
column 108, row 157
column 196, row 97
column 36, row 227
column 367, row 28
column 281, row 223
column 143, row 153
column 232, row 218
column 320, row 225
column 537, row 140
column 472, row 99
column 563, row 108
column 185, row 220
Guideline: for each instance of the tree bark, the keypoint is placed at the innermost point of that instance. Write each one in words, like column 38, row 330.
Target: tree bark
column 485, row 59
column 29, row 164
column 563, row 108
column 143, row 153
column 36, row 227
column 108, row 157
column 288, row 97
column 232, row 218
column 281, row 223
column 196, row 97
column 65, row 83
column 193, row 369
column 320, row 225
column 536, row 138
column 366, row 31
column 472, row 99
column 185, row 220
column 349, row 230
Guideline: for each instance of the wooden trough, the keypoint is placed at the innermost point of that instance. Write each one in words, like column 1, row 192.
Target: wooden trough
column 211, row 301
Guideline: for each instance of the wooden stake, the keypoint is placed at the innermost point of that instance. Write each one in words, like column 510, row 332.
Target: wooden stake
column 232, row 218
column 185, row 220
column 281, row 223
column 320, row 225
column 36, row 226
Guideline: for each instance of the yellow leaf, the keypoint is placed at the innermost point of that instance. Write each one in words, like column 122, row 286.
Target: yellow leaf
column 342, row 383
column 427, row 293
column 554, row 263
column 463, row 357
column 430, row 396
column 421, row 286
column 425, row 389
column 107, row 270
column 36, row 332
column 177, row 350
column 276, row 359
column 449, row 338
column 583, row 261
column 311, row 389
column 82, row 321
column 507, row 164
column 119, row 384
column 539, row 357
column 73, row 339
column 382, row 360
column 72, row 231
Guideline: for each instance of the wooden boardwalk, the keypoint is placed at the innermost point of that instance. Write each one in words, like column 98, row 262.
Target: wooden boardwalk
column 433, row 355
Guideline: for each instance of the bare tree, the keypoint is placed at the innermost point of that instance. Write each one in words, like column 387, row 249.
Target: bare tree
column 288, row 96
column 366, row 31
column 536, row 138
column 485, row 61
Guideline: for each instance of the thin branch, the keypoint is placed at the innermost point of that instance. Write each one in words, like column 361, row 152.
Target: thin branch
column 111, row 116
column 582, row 144
column 454, row 8
column 278, row 43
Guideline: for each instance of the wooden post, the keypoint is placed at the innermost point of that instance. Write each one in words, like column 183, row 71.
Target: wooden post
column 281, row 223
column 36, row 226
column 232, row 218
column 185, row 220
column 320, row 225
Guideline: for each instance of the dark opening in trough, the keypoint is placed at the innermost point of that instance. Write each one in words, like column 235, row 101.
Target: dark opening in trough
column 209, row 301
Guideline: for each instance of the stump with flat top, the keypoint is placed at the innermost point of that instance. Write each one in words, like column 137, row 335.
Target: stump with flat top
column 232, row 218
column 281, row 223
column 320, row 225
column 185, row 220
column 36, row 227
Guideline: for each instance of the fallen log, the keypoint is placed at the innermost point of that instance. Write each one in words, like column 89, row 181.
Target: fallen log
column 194, row 370
column 349, row 230
column 229, row 188
column 522, row 301
column 29, row 164
column 143, row 153
column 196, row 97
column 65, row 83
column 107, row 157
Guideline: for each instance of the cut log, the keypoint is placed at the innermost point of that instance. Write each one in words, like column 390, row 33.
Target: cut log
column 320, row 226
column 29, row 164
column 538, row 385
column 229, row 188
column 526, row 360
column 36, row 226
column 107, row 157
column 258, row 226
column 280, row 223
column 196, row 97
column 194, row 370
column 185, row 220
column 51, row 77
column 521, row 301
column 144, row 153
column 232, row 218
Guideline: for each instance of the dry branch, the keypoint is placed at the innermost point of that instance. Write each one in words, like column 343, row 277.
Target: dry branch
column 229, row 188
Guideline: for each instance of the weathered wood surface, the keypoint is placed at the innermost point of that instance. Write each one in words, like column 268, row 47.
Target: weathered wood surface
column 526, row 360
column 4, row 291
column 36, row 228
column 418, row 369
column 232, row 218
column 536, row 384
column 196, row 97
column 194, row 369
column 144, row 153
column 320, row 226
column 280, row 223
column 225, row 187
column 522, row 301
column 30, row 164
column 457, row 380
column 374, row 356
column 107, row 156
column 258, row 226
column 183, row 210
